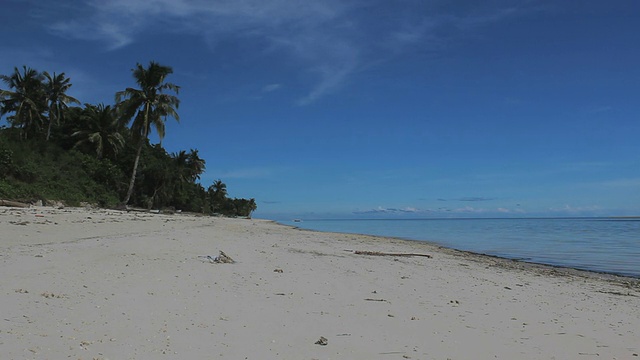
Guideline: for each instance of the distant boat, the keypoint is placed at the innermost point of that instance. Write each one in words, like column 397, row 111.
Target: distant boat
column 297, row 220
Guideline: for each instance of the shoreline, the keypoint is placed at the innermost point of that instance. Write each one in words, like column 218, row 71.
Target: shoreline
column 103, row 284
column 555, row 270
column 521, row 260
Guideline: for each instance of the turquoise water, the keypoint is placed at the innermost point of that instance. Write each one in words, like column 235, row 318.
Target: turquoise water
column 607, row 245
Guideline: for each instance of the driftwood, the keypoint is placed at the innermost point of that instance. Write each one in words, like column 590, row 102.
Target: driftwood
column 128, row 209
column 220, row 259
column 223, row 258
column 13, row 204
column 377, row 253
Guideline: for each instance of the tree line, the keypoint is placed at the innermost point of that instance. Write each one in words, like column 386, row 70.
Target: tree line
column 56, row 148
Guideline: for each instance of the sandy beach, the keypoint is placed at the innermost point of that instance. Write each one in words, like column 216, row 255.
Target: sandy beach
column 105, row 284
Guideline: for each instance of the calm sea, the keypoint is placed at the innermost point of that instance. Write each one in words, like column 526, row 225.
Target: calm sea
column 610, row 245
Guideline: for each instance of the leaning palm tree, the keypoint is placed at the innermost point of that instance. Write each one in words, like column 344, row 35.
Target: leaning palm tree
column 26, row 101
column 148, row 106
column 55, row 90
column 252, row 206
column 100, row 129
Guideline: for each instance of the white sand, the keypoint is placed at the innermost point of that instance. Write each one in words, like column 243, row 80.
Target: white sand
column 99, row 284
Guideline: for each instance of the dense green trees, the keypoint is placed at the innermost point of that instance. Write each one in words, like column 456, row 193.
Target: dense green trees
column 53, row 151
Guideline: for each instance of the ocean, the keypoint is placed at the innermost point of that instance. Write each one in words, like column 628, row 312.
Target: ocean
column 608, row 245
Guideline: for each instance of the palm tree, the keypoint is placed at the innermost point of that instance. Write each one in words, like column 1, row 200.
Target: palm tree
column 251, row 207
column 181, row 163
column 26, row 101
column 55, row 89
column 100, row 129
column 219, row 188
column 195, row 165
column 150, row 106
column 217, row 195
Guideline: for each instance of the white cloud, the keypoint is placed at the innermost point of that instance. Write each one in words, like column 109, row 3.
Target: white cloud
column 331, row 39
column 386, row 210
column 271, row 88
column 574, row 210
column 488, row 211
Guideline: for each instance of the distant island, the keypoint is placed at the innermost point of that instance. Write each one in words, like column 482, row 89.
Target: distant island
column 58, row 151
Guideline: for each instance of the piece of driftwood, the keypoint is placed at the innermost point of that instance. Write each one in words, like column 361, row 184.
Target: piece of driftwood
column 129, row 209
column 223, row 258
column 377, row 253
column 13, row 204
column 220, row 259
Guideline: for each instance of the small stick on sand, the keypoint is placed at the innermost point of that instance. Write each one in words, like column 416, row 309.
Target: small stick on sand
column 377, row 253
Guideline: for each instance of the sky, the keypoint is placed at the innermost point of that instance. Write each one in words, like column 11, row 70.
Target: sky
column 373, row 108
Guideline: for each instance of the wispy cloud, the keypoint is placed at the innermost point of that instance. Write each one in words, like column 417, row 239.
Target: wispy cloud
column 271, row 88
column 330, row 39
column 445, row 211
column 385, row 210
column 576, row 210
column 488, row 211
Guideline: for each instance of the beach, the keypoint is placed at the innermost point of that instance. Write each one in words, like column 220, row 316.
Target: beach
column 84, row 283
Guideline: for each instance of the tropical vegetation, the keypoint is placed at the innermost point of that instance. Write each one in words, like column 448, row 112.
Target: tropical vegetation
column 55, row 149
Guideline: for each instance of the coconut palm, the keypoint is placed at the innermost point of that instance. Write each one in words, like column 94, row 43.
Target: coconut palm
column 55, row 90
column 217, row 195
column 26, row 100
column 195, row 165
column 148, row 106
column 181, row 163
column 251, row 207
column 219, row 188
column 100, row 129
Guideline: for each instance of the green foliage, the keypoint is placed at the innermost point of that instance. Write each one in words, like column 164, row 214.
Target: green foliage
column 148, row 106
column 25, row 100
column 72, row 154
column 49, row 173
column 6, row 161
column 219, row 203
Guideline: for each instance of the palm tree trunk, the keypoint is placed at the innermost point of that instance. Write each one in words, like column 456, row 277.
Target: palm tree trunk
column 49, row 129
column 133, row 174
column 51, row 119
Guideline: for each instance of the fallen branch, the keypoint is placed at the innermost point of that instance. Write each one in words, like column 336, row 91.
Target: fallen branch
column 13, row 204
column 220, row 259
column 377, row 253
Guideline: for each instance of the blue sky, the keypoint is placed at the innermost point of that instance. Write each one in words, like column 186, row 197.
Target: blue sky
column 373, row 108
